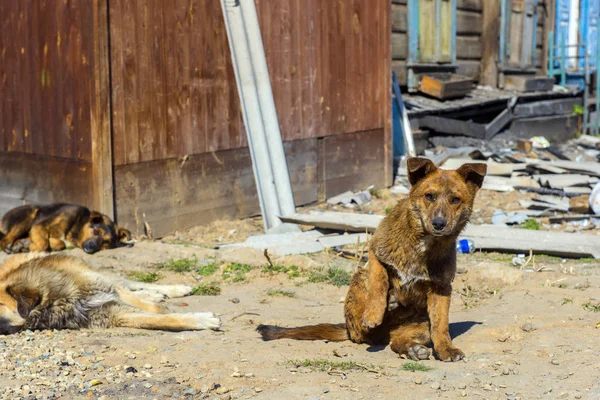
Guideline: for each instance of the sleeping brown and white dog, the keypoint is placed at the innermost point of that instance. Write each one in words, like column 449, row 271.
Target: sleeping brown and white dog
column 42, row 291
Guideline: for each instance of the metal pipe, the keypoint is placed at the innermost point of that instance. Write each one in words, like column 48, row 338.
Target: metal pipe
column 267, row 107
column 563, row 72
column 252, row 107
column 586, row 93
column 551, row 55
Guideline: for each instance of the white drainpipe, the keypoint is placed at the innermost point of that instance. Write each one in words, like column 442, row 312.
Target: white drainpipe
column 260, row 116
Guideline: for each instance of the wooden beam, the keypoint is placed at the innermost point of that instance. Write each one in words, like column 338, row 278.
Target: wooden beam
column 399, row 18
column 102, row 165
column 550, row 8
column 453, row 126
column 489, row 238
column 490, row 43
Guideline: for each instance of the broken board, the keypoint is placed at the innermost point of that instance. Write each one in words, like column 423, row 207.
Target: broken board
column 485, row 237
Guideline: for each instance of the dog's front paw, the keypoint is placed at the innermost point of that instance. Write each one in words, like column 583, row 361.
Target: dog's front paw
column 371, row 321
column 207, row 320
column 373, row 316
column 449, row 353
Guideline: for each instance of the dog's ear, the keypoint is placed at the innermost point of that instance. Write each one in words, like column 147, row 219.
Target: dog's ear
column 418, row 168
column 473, row 173
column 124, row 237
column 96, row 218
column 27, row 298
column 124, row 234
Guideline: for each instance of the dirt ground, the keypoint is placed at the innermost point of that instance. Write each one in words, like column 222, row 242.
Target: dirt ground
column 528, row 333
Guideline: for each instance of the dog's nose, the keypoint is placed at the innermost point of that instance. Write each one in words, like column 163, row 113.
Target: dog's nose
column 438, row 224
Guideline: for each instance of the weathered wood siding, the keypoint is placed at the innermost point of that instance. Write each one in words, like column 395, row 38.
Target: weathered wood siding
column 141, row 94
column 179, row 141
column 468, row 37
column 53, row 101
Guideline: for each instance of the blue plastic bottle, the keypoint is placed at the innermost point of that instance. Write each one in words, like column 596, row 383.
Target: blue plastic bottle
column 465, row 246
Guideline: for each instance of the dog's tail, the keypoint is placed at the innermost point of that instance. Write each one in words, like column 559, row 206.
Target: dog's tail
column 331, row 332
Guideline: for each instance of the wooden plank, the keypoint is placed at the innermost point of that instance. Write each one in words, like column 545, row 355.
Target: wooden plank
column 26, row 178
column 468, row 22
column 518, row 241
column 348, row 166
column 468, row 47
column 399, row 46
column 547, row 107
column 493, row 168
column 336, row 221
column 589, row 168
column 498, row 123
column 176, row 194
column 399, row 67
column 473, row 5
column 490, row 43
column 101, row 147
column 527, row 83
column 556, row 128
column 470, row 68
column 555, row 181
column 485, row 237
column 399, row 18
column 453, row 126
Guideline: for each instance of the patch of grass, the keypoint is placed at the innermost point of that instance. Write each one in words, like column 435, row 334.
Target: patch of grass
column 236, row 272
column 566, row 300
column 415, row 366
column 328, row 365
column 583, row 286
column 593, row 306
column 334, row 276
column 531, row 224
column 180, row 265
column 291, row 271
column 388, row 210
column 208, row 269
column 281, row 293
column 207, row 289
column 146, row 277
column 375, row 193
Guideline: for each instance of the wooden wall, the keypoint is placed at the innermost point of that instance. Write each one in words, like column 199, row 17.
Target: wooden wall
column 179, row 142
column 141, row 94
column 175, row 89
column 53, row 105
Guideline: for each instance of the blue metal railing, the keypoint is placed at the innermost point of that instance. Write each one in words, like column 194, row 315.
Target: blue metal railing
column 558, row 67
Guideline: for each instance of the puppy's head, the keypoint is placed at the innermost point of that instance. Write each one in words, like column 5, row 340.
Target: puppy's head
column 101, row 233
column 16, row 303
column 443, row 200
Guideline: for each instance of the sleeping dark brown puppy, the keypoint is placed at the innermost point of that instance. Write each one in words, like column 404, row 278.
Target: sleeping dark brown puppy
column 49, row 227
column 412, row 262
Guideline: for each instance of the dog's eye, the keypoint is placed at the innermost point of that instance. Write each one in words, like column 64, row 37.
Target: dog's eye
column 455, row 200
column 429, row 196
column 96, row 232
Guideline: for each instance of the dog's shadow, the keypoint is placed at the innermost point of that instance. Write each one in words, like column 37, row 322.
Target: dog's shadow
column 456, row 329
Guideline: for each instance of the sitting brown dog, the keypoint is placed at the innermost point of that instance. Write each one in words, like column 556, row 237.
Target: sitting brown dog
column 412, row 262
column 49, row 227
